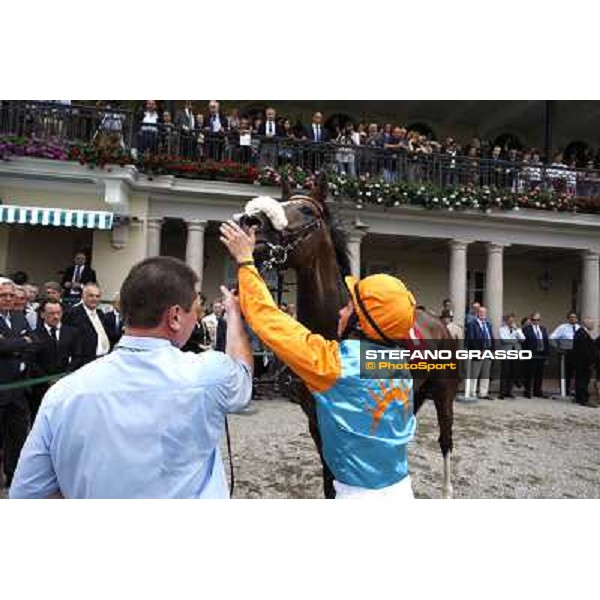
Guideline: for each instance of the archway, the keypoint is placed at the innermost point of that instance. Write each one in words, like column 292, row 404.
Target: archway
column 578, row 150
column 508, row 141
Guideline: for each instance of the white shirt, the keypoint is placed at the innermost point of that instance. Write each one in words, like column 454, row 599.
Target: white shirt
column 103, row 346
column 49, row 330
column 190, row 118
column 563, row 335
column 270, row 128
column 510, row 337
column 143, row 422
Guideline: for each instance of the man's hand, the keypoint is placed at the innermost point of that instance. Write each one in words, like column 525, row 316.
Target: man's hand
column 239, row 243
column 231, row 303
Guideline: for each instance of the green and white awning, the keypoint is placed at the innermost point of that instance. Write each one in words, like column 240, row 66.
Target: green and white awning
column 57, row 217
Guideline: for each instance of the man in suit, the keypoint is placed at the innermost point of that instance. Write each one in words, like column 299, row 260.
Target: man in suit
column 90, row 322
column 199, row 340
column 316, row 134
column 185, row 121
column 15, row 347
column 562, row 337
column 536, row 340
column 215, row 124
column 480, row 337
column 585, row 359
column 76, row 276
column 269, row 131
column 58, row 350
column 114, row 322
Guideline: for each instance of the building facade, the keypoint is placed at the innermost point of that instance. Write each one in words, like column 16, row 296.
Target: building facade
column 512, row 261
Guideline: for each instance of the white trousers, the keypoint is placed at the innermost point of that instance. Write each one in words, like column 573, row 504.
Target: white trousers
column 480, row 370
column 401, row 490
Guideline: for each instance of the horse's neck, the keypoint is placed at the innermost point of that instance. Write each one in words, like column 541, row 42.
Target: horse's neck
column 319, row 297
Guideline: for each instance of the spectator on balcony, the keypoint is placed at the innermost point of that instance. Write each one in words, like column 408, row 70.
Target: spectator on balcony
column 361, row 131
column 315, row 132
column 286, row 147
column 269, row 131
column 109, row 134
column 168, row 136
column 233, row 120
column 396, row 143
column 345, row 156
column 200, row 136
column 473, row 166
column 245, row 148
column 185, row 121
column 215, row 125
column 386, row 134
column 148, row 131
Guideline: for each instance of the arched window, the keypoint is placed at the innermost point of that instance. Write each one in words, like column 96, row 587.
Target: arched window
column 508, row 141
column 578, row 150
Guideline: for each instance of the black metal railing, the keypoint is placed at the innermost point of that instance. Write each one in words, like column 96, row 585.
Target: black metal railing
column 115, row 127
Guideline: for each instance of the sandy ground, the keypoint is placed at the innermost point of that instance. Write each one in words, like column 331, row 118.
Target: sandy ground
column 502, row 449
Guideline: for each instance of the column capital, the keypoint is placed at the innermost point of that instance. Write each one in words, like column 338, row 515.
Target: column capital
column 493, row 247
column 590, row 255
column 357, row 230
column 196, row 225
column 458, row 244
column 154, row 222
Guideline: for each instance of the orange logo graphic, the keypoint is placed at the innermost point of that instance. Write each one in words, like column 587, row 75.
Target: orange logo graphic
column 395, row 391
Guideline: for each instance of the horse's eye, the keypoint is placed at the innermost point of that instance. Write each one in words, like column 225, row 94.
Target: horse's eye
column 251, row 221
column 306, row 210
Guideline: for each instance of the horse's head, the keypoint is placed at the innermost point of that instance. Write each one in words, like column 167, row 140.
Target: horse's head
column 288, row 232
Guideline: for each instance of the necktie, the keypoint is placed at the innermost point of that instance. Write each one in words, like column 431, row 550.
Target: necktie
column 7, row 320
column 540, row 341
column 318, row 133
column 53, row 336
column 574, row 330
column 104, row 344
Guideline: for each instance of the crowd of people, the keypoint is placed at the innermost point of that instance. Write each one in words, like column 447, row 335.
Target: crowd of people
column 56, row 328
column 573, row 340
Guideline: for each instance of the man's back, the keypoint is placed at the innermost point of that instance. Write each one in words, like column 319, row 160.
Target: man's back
column 143, row 422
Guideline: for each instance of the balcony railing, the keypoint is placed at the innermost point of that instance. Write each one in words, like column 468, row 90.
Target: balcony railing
column 112, row 127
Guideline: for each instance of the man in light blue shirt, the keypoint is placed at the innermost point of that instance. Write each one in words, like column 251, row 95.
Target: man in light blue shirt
column 146, row 420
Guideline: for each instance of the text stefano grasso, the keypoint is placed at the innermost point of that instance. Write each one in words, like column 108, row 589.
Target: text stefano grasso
column 410, row 355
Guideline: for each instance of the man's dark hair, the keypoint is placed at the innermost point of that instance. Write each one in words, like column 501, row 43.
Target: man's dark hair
column 20, row 278
column 45, row 301
column 152, row 286
column 572, row 312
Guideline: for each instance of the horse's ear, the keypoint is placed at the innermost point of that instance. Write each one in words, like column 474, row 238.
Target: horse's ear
column 286, row 190
column 321, row 188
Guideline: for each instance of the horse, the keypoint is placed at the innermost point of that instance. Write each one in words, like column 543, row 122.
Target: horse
column 311, row 243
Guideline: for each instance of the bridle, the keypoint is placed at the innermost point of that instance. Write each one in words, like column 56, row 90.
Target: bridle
column 287, row 242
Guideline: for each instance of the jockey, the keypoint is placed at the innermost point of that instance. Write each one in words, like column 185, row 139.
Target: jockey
column 365, row 423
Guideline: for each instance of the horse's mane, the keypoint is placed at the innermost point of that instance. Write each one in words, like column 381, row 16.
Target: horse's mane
column 339, row 237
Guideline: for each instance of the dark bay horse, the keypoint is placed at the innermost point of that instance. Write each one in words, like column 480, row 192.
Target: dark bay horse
column 313, row 246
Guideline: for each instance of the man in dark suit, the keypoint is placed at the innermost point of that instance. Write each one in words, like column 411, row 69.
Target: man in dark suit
column 536, row 340
column 317, row 134
column 76, row 276
column 86, row 317
column 185, row 121
column 58, row 350
column 215, row 124
column 200, row 340
column 269, row 131
column 585, row 359
column 113, row 323
column 479, row 336
column 15, row 347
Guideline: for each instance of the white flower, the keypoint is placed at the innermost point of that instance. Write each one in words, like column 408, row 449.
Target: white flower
column 450, row 208
column 368, row 194
column 435, row 199
column 379, row 200
column 516, row 208
column 396, row 203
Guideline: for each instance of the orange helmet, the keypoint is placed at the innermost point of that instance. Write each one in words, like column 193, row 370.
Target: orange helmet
column 384, row 306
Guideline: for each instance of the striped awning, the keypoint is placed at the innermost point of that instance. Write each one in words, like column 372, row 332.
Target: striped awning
column 57, row 217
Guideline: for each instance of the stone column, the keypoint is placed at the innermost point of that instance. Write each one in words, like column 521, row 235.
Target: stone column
column 494, row 285
column 590, row 286
column 357, row 233
column 194, row 251
column 153, row 229
column 457, row 284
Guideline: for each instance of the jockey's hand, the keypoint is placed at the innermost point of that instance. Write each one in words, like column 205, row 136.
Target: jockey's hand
column 239, row 243
column 231, row 302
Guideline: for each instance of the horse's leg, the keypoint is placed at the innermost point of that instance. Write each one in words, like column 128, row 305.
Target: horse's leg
column 307, row 402
column 444, row 391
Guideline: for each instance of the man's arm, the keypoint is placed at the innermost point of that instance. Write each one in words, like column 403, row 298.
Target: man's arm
column 237, row 344
column 313, row 358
